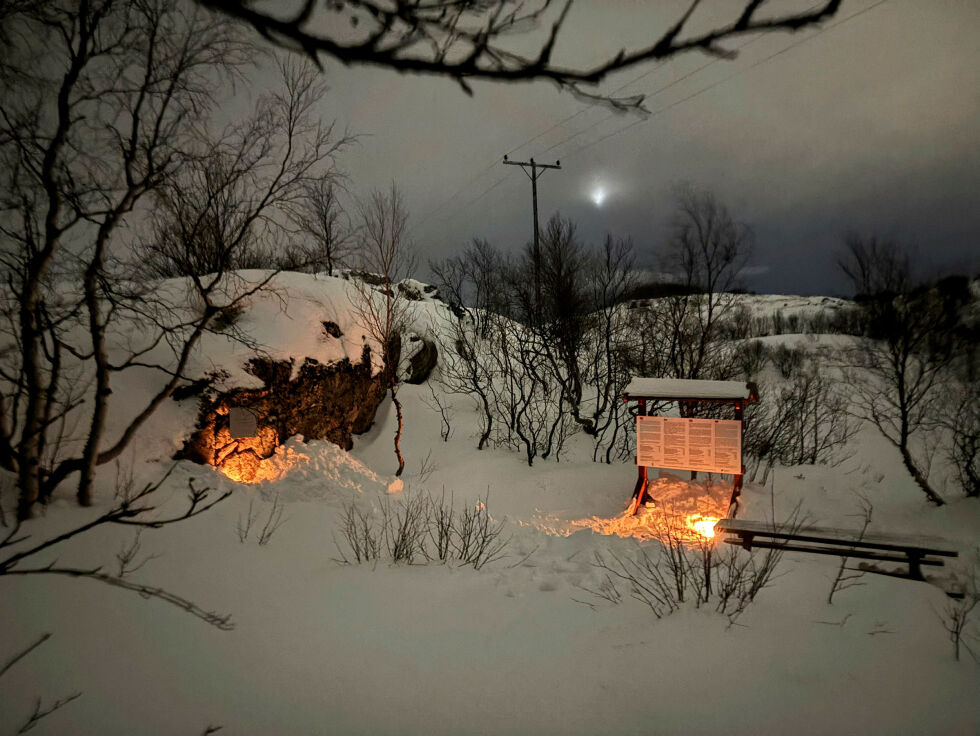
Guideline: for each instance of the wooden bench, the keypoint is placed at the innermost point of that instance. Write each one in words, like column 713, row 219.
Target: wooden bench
column 822, row 541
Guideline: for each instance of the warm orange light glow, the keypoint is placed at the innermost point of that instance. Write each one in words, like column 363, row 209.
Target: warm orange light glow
column 683, row 510
column 703, row 525
column 249, row 468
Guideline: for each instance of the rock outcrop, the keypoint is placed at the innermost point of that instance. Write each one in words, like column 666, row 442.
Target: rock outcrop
column 331, row 402
column 422, row 361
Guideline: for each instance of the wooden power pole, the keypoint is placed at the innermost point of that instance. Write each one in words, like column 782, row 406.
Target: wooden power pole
column 536, row 171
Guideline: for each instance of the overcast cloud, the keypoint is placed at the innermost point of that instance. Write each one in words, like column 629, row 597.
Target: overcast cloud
column 871, row 125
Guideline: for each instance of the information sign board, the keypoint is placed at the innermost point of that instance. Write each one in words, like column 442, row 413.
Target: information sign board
column 242, row 422
column 709, row 445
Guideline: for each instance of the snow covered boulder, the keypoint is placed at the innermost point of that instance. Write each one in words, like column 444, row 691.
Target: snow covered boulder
column 331, row 402
column 421, row 358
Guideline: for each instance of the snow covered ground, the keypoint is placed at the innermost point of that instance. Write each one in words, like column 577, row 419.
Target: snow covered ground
column 517, row 647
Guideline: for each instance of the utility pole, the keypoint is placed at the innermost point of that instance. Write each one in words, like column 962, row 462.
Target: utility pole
column 533, row 175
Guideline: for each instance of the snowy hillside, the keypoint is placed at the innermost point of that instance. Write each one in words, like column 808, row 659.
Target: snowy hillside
column 542, row 640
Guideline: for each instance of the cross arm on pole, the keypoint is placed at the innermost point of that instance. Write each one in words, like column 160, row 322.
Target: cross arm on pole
column 534, row 173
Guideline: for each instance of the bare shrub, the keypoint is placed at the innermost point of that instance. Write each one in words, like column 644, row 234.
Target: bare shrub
column 742, row 580
column 788, row 361
column 477, row 537
column 805, row 422
column 644, row 575
column 244, row 525
column 421, row 527
column 385, row 251
column 751, row 357
column 957, row 615
column 682, row 570
column 39, row 710
column 404, row 528
column 329, row 233
column 963, row 424
column 272, row 522
column 362, row 534
column 737, row 324
column 442, row 519
column 445, row 412
column 842, row 581
column 127, row 556
column 542, row 356
column 847, row 321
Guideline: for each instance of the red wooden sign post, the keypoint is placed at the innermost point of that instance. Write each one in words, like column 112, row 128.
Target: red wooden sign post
column 643, row 390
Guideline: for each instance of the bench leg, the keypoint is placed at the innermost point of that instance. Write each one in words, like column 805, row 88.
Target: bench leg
column 915, row 569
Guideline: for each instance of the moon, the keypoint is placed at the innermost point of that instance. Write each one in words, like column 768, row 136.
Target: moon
column 598, row 196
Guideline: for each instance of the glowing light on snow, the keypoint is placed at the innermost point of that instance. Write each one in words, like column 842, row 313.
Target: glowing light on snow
column 248, row 468
column 703, row 525
column 684, row 511
column 598, row 196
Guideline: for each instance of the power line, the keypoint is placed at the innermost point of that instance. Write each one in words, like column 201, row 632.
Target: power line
column 561, row 123
column 588, row 108
column 722, row 81
column 569, row 118
column 428, row 216
column 660, row 111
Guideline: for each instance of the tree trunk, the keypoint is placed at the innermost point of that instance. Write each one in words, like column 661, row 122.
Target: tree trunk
column 398, row 430
column 28, row 450
column 917, row 476
column 101, row 408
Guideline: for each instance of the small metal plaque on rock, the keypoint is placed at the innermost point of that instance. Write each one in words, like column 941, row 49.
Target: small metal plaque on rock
column 242, row 422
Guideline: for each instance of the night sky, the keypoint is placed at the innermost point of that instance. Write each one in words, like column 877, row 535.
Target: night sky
column 870, row 123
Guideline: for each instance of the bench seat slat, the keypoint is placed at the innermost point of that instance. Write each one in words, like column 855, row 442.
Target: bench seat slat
column 837, row 551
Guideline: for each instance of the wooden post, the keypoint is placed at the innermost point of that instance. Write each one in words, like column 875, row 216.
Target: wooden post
column 737, row 480
column 915, row 560
column 640, row 491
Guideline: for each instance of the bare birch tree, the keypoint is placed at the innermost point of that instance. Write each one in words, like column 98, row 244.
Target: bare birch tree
column 705, row 253
column 901, row 367
column 104, row 105
column 328, row 234
column 386, row 257
column 94, row 99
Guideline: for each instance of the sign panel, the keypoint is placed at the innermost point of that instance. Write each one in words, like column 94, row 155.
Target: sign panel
column 710, row 445
column 242, row 422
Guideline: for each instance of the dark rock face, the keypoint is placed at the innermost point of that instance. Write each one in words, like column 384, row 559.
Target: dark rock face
column 332, row 329
column 331, row 402
column 422, row 362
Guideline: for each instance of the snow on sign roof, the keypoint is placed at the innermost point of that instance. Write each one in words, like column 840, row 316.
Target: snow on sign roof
column 682, row 388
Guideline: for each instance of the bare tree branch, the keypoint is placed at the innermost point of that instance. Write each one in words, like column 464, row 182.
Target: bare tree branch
column 465, row 40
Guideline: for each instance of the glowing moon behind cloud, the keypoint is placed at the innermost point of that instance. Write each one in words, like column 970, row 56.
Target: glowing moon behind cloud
column 598, row 196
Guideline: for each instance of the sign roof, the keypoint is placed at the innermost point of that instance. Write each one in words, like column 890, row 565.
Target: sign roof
column 672, row 389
